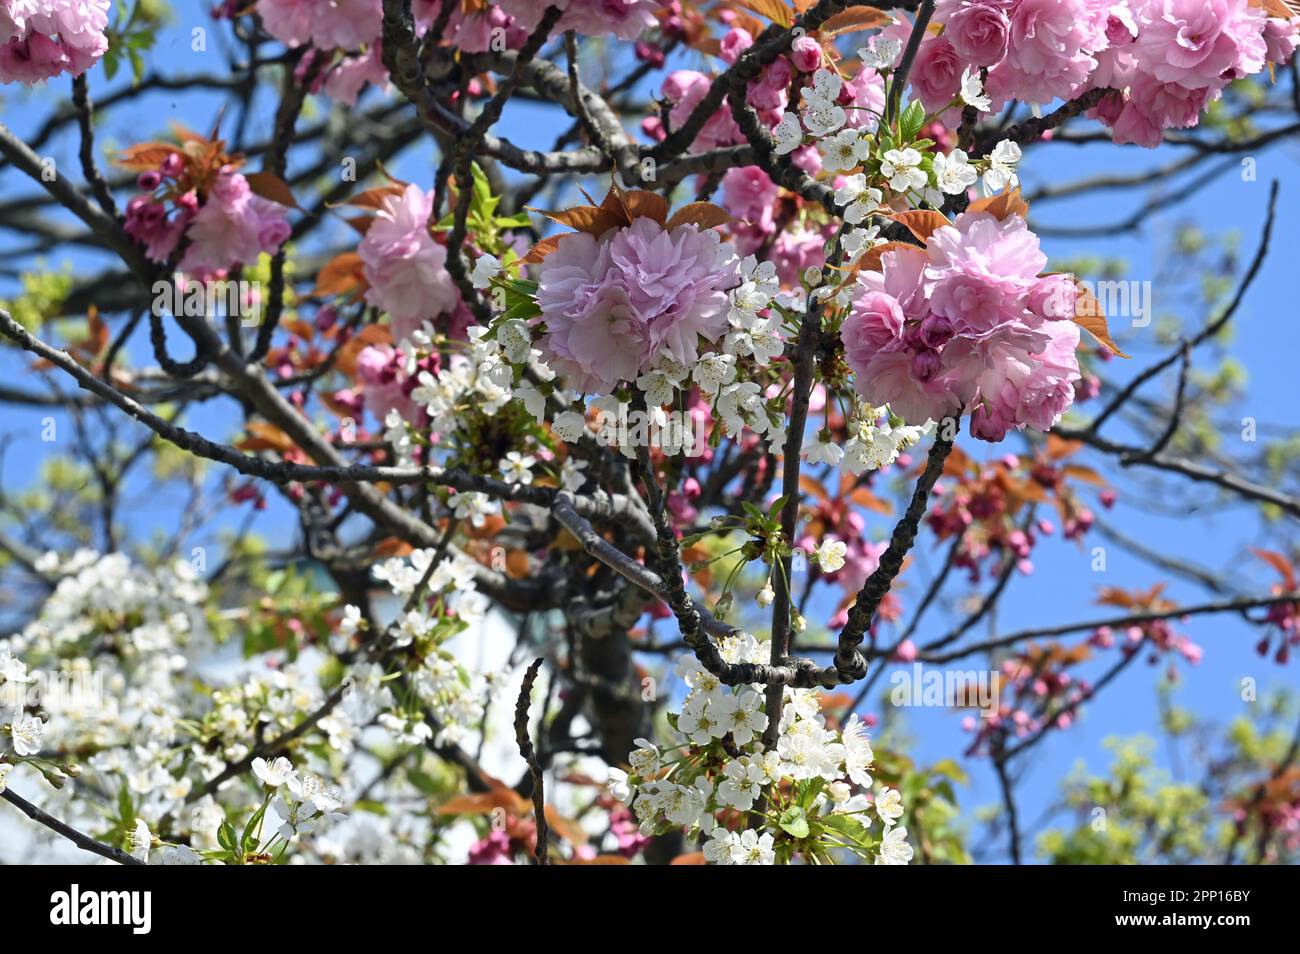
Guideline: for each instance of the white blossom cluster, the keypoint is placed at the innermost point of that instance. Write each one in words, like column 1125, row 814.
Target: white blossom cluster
column 451, row 693
column 876, row 438
column 157, row 726
column 844, row 146
column 714, row 771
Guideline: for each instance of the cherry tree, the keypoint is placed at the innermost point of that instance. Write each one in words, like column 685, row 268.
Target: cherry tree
column 566, row 504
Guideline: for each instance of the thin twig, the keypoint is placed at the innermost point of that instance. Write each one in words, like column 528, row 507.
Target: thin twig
column 534, row 767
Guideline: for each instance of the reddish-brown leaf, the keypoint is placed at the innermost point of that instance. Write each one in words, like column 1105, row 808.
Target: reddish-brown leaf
column 774, row 10
column 1089, row 315
column 1280, row 563
column 543, row 248
column 97, row 340
column 1085, row 474
column 853, row 19
column 922, row 222
column 1059, row 448
column 346, row 362
column 270, row 186
column 344, row 274
column 263, row 435
column 1286, row 9
column 744, row 21
column 868, row 501
column 646, row 205
column 1002, row 205
column 957, row 464
column 705, row 215
column 483, row 803
column 598, row 860
column 585, row 218
column 374, row 198
column 392, row 547
column 566, row 828
column 144, row 156
column 870, row 262
column 361, row 223
column 709, row 45
column 811, row 485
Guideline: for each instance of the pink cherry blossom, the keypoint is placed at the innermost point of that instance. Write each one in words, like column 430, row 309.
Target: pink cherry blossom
column 39, row 39
column 966, row 324
column 1281, row 37
column 612, row 305
column 232, row 227
column 380, row 369
column 748, row 194
column 736, row 41
column 1194, row 42
column 405, row 266
column 685, row 89
column 1050, row 49
column 326, row 24
column 978, row 31
column 345, row 79
column 625, row 19
column 806, row 54
column 936, row 74
column 863, row 99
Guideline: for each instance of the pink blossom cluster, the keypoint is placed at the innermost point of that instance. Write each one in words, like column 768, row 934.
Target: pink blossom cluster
column 613, row 305
column 1036, row 691
column 862, row 96
column 232, row 227
column 473, row 31
column 1162, row 59
column 837, row 519
column 40, row 39
column 405, row 266
column 625, row 19
column 747, row 192
column 1159, row 635
column 354, row 27
column 228, row 227
column 1284, row 619
column 325, row 24
column 966, row 325
column 149, row 220
column 763, row 224
column 382, row 372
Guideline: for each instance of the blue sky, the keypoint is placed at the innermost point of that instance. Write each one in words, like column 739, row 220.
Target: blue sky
column 1063, row 586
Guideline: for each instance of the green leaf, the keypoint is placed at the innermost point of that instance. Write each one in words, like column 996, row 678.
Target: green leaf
column 423, row 781
column 794, row 822
column 910, row 123
column 812, row 788
column 249, row 837
column 226, row 836
column 519, row 220
column 951, row 769
column 524, row 309
column 112, row 59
